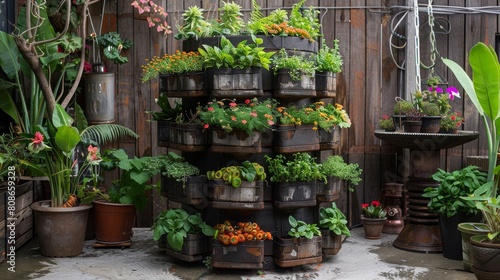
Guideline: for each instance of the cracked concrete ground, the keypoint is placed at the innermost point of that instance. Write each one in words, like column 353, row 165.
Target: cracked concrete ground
column 359, row 258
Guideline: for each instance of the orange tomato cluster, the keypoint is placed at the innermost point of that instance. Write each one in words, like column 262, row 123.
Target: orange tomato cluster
column 228, row 234
column 284, row 28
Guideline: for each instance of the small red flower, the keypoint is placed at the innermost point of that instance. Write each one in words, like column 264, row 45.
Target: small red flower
column 206, row 126
column 38, row 138
column 232, row 104
column 364, row 205
column 210, row 109
column 375, row 203
column 247, row 101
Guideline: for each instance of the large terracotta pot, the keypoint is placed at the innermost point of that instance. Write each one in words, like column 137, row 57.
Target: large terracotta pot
column 113, row 222
column 373, row 227
column 60, row 231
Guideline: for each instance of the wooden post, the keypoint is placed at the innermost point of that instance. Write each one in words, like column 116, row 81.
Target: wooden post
column 411, row 55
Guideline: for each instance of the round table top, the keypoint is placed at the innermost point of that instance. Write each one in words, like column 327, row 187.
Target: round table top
column 420, row 141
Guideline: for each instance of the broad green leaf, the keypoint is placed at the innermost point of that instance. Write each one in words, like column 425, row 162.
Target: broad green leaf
column 9, row 55
column 67, row 137
column 60, row 117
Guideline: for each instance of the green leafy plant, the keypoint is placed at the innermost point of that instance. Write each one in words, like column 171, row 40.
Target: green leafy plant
column 131, row 186
column 306, row 19
column 337, row 167
column 302, row 167
column 430, row 109
column 373, row 210
column 168, row 112
column 177, row 224
column 297, row 65
column 386, row 122
column 329, row 59
column 249, row 116
column 484, row 93
column 334, row 220
column 176, row 167
column 230, row 22
column 11, row 154
column 302, row 229
column 241, row 56
column 446, row 199
column 112, row 45
column 320, row 115
column 195, row 25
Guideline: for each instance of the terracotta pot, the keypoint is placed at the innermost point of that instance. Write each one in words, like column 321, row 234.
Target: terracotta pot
column 486, row 257
column 373, row 227
column 430, row 124
column 61, row 231
column 113, row 222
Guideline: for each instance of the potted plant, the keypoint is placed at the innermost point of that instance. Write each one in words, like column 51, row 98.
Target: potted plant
column 328, row 64
column 230, row 21
column 181, row 181
column 163, row 118
column 413, row 121
column 333, row 224
column 194, row 27
column 181, row 74
column 450, row 123
column 294, row 180
column 187, row 132
column 302, row 247
column 446, row 200
column 373, row 219
column 336, row 170
column 115, row 216
column 431, row 119
column 237, row 186
column 386, row 123
column 483, row 91
column 294, row 75
column 186, row 234
column 238, row 124
column 235, row 70
column 400, row 108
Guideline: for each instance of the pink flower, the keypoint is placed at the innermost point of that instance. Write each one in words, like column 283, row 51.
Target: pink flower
column 210, row 109
column 270, row 122
column 233, row 118
column 93, row 156
column 452, row 92
column 253, row 114
column 244, row 121
column 206, row 126
column 247, row 101
column 232, row 104
column 37, row 144
column 38, row 138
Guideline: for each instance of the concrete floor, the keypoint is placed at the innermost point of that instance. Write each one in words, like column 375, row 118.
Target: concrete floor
column 359, row 258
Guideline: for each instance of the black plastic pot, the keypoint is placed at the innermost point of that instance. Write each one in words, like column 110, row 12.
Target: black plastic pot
column 450, row 235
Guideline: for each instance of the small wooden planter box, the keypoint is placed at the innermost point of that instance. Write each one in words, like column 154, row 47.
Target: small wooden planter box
column 297, row 251
column 185, row 85
column 287, row 88
column 250, row 195
column 245, row 255
column 294, row 194
column 326, row 84
column 187, row 137
column 163, row 133
column 295, row 138
column 329, row 140
column 231, row 82
column 193, row 192
column 227, row 142
column 331, row 243
column 330, row 191
column 193, row 249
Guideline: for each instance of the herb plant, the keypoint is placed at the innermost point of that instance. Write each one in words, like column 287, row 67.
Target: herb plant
column 297, row 65
column 329, row 59
column 337, row 167
column 302, row 167
column 167, row 113
column 177, row 224
column 177, row 63
column 230, row 22
column 333, row 219
column 302, row 229
column 194, row 25
column 176, row 167
column 446, row 199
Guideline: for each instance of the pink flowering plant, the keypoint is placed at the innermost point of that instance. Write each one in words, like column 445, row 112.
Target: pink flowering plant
column 435, row 94
column 251, row 115
column 373, row 210
column 157, row 15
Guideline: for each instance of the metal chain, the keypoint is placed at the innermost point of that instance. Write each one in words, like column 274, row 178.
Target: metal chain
column 432, row 38
column 417, row 46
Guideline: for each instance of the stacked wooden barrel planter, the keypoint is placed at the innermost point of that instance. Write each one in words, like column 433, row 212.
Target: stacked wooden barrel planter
column 267, row 205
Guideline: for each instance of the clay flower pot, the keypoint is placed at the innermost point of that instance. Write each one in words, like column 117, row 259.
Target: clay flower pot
column 373, row 227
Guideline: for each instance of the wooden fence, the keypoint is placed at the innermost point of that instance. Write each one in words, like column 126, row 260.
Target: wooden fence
column 370, row 80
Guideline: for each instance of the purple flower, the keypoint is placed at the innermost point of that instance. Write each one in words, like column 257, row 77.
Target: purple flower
column 452, row 92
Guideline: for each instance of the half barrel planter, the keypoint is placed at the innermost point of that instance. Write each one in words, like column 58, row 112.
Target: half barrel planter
column 231, row 82
column 183, row 85
column 193, row 191
column 331, row 243
column 236, row 140
column 291, row 195
column 244, row 255
column 290, row 252
column 187, row 137
column 248, row 196
column 296, row 138
column 287, row 88
column 194, row 248
column 329, row 140
column 326, row 84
